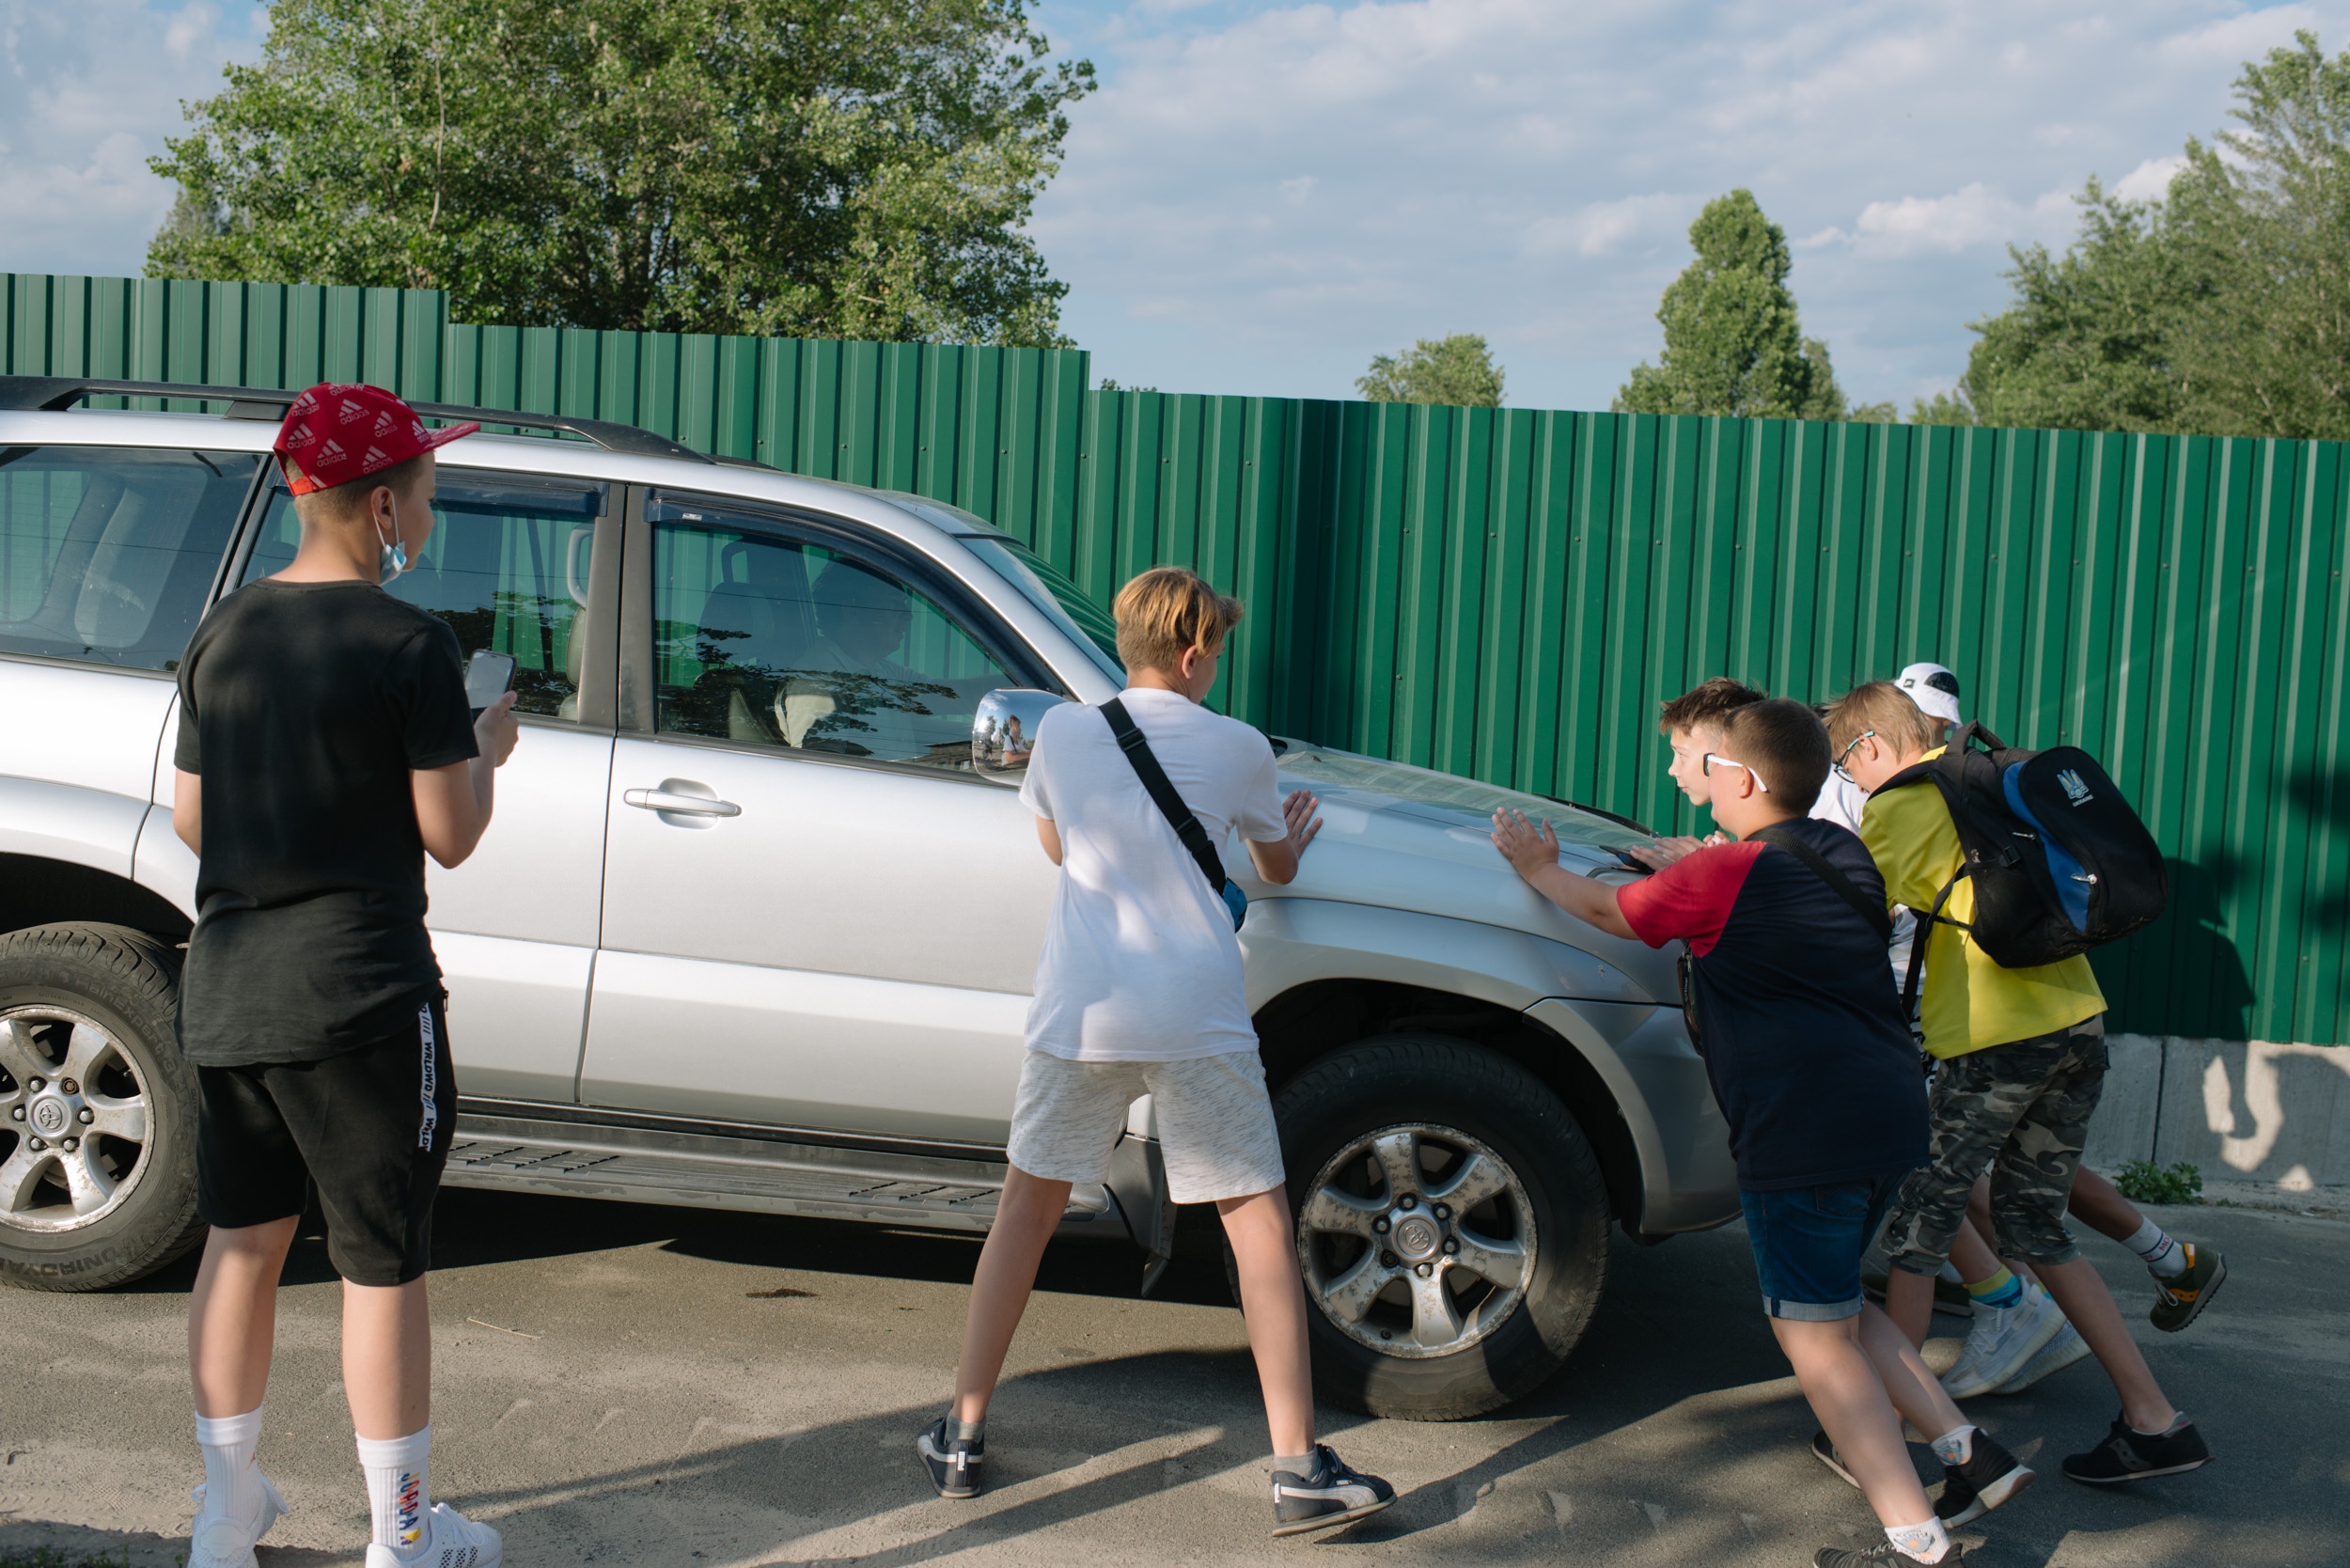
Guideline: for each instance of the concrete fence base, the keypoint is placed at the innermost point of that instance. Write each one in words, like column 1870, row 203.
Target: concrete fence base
column 2239, row 1110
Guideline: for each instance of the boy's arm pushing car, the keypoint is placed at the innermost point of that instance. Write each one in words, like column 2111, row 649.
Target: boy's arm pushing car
column 1532, row 851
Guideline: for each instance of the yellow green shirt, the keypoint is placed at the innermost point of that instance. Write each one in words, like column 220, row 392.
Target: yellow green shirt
column 1969, row 1002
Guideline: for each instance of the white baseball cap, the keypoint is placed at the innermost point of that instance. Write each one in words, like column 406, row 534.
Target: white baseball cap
column 1934, row 688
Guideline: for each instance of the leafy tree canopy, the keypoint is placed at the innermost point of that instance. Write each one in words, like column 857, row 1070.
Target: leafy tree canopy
column 1733, row 343
column 1458, row 370
column 2222, row 307
column 843, row 168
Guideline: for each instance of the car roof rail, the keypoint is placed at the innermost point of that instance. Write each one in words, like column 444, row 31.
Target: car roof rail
column 26, row 394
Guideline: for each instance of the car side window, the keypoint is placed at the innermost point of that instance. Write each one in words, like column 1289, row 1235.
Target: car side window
column 506, row 567
column 107, row 553
column 769, row 638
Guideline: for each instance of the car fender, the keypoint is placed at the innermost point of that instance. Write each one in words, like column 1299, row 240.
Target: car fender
column 1638, row 1046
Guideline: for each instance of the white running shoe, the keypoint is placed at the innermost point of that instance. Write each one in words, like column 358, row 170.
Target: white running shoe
column 217, row 1541
column 2001, row 1340
column 450, row 1540
column 2061, row 1352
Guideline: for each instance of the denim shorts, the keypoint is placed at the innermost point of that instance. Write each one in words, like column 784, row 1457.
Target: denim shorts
column 1807, row 1243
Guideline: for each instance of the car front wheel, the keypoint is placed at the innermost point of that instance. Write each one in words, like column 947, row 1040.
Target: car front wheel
column 1452, row 1225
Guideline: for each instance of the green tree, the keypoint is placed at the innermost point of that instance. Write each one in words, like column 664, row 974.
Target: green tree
column 1458, row 371
column 1733, row 343
column 849, row 168
column 2090, row 339
column 2222, row 307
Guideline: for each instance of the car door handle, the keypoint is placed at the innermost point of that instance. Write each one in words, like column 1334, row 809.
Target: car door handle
column 690, row 805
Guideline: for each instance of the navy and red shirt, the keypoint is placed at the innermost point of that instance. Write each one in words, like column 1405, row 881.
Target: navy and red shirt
column 1797, row 1013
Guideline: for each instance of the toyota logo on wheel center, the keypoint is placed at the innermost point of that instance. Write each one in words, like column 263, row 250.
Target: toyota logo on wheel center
column 51, row 1115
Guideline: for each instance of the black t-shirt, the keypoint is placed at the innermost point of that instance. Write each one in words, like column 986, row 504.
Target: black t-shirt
column 1796, row 1008
column 304, row 706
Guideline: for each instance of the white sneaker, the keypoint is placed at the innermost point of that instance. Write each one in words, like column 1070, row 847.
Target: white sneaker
column 2001, row 1340
column 217, row 1541
column 450, row 1540
column 2061, row 1352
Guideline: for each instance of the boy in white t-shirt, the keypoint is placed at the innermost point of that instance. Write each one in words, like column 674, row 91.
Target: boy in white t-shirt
column 1140, row 992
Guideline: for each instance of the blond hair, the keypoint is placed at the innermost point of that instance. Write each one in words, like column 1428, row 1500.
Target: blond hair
column 1167, row 610
column 1884, row 710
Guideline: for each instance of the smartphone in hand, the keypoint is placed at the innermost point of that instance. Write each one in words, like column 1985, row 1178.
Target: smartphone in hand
column 488, row 677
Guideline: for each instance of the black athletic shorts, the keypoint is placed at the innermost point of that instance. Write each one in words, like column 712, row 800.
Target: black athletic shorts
column 372, row 1127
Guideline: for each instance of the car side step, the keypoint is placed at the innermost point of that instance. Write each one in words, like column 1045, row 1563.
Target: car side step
column 585, row 1161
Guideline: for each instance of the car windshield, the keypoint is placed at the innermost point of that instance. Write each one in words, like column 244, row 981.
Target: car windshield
column 1318, row 768
column 1062, row 602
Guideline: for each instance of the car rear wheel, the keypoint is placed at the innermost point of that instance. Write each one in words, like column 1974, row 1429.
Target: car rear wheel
column 97, row 1109
column 1452, row 1225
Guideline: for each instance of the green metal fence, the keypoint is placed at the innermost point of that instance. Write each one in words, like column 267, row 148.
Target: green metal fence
column 1510, row 593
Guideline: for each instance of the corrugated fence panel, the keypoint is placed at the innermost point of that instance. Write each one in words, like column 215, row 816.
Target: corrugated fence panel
column 1511, row 593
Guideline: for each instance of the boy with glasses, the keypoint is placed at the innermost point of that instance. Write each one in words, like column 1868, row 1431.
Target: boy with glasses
column 2022, row 1059
column 1793, row 1011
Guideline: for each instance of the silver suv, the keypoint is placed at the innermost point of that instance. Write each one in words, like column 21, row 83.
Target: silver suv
column 755, row 925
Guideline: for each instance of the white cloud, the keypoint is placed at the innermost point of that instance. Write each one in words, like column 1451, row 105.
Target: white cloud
column 95, row 88
column 2149, row 180
column 1602, row 227
column 1973, row 215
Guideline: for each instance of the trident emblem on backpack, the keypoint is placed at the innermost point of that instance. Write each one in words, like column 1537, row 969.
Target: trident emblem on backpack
column 2075, row 790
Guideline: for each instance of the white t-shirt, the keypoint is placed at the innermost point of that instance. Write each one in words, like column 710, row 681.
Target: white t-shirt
column 1141, row 961
column 1841, row 802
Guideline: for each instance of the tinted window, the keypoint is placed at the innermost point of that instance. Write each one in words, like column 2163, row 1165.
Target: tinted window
column 107, row 553
column 506, row 567
column 781, row 641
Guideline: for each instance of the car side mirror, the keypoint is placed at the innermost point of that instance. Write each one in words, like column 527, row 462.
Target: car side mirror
column 1003, row 730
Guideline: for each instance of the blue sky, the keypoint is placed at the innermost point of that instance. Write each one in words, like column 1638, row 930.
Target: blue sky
column 1263, row 196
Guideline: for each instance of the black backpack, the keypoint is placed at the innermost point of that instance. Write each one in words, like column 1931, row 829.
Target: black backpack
column 2060, row 862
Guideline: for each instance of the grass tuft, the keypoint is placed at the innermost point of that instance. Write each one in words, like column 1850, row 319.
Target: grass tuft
column 2144, row 1182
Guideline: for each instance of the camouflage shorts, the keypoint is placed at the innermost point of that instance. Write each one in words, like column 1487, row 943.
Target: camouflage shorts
column 2020, row 1111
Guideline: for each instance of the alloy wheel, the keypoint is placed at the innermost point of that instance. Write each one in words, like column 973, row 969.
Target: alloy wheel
column 1417, row 1240
column 74, row 1135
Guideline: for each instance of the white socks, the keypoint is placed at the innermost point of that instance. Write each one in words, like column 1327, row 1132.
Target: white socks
column 1954, row 1447
column 232, row 1479
column 2165, row 1258
column 397, row 1500
column 1927, row 1543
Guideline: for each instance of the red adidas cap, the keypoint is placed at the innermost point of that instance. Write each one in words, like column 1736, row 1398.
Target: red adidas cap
column 337, row 432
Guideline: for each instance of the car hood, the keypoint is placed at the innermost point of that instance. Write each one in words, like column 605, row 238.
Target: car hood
column 1399, row 837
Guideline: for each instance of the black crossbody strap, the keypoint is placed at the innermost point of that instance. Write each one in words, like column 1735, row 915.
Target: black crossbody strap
column 1927, row 920
column 1871, row 910
column 1162, row 792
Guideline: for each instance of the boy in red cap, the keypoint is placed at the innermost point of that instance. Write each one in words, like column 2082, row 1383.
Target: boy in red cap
column 326, row 747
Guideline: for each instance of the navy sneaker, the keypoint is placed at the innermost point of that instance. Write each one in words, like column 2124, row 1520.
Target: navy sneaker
column 1990, row 1476
column 954, row 1463
column 1825, row 1451
column 2125, row 1455
column 1333, row 1494
column 1883, row 1554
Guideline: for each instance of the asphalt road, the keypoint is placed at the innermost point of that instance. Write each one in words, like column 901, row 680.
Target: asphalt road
column 655, row 1385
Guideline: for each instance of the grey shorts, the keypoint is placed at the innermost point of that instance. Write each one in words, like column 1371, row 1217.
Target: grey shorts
column 1215, row 1122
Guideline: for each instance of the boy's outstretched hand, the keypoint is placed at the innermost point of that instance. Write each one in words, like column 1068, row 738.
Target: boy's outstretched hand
column 1277, row 862
column 1526, row 845
column 1533, row 852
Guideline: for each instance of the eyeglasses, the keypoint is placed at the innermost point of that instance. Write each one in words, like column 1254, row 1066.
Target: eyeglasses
column 1842, row 772
column 1707, row 765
